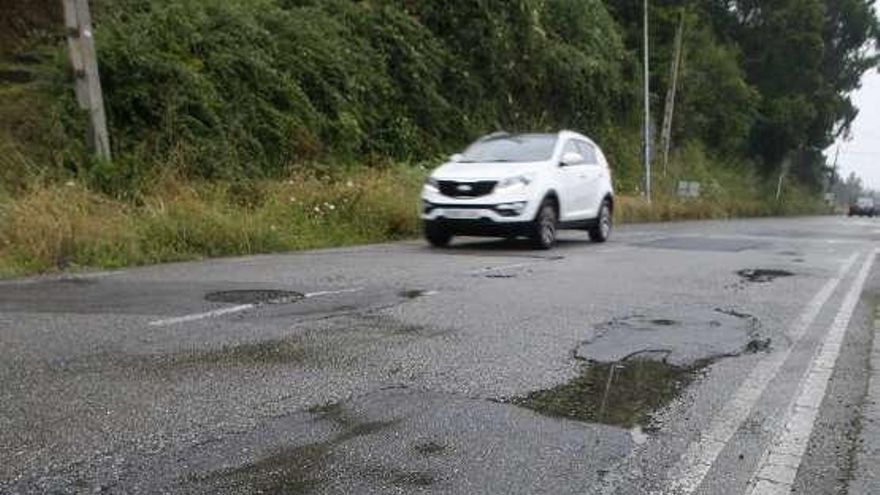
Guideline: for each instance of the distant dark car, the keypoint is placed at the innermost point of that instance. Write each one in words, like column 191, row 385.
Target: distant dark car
column 863, row 207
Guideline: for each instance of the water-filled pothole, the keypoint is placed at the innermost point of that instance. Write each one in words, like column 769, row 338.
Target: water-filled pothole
column 254, row 296
column 762, row 275
column 623, row 393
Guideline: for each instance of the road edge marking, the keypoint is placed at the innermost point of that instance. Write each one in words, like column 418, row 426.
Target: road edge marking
column 700, row 455
column 165, row 322
column 781, row 460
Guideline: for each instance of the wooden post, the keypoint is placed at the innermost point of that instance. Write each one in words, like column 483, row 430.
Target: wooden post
column 666, row 133
column 83, row 59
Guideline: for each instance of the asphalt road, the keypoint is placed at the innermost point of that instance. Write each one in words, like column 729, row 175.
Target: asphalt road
column 700, row 357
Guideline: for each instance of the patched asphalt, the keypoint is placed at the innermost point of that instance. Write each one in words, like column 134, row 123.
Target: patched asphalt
column 407, row 370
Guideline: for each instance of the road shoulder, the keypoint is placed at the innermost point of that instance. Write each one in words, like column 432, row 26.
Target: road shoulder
column 866, row 477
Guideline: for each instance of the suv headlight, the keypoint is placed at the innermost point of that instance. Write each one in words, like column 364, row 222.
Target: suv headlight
column 432, row 184
column 513, row 183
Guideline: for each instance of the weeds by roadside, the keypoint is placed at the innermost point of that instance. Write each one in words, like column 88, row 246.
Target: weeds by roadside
column 69, row 226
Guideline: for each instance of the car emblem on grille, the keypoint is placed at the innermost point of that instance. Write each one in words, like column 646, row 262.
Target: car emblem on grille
column 465, row 187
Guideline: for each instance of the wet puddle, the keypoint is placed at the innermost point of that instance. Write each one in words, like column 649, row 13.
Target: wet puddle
column 623, row 393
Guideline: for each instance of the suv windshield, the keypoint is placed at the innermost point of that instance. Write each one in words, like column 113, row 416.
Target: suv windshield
column 511, row 148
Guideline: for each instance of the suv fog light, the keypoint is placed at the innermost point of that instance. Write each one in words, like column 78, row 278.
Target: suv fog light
column 511, row 209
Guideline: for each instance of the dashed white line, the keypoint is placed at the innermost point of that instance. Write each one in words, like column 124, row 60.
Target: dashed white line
column 201, row 316
column 504, row 267
column 236, row 309
column 330, row 293
column 779, row 464
column 701, row 454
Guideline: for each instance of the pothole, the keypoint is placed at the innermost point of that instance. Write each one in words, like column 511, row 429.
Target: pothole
column 415, row 293
column 640, row 363
column 305, row 468
column 623, row 393
column 258, row 296
column 662, row 322
column 250, row 353
column 684, row 337
column 500, row 275
column 762, row 275
column 430, row 448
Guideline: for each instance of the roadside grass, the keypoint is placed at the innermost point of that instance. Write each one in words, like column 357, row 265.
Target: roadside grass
column 70, row 227
column 67, row 226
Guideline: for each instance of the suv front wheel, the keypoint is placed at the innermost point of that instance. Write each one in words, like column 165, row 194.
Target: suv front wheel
column 437, row 235
column 543, row 228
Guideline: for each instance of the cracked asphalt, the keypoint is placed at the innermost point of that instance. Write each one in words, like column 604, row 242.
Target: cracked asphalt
column 482, row 368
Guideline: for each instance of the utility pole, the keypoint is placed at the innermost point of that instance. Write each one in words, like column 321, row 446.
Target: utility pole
column 81, row 44
column 666, row 133
column 647, row 136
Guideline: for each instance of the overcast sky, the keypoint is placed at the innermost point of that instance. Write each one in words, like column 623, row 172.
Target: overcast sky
column 861, row 154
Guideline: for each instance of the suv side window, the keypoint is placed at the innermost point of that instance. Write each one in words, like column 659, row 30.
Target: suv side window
column 571, row 146
column 588, row 151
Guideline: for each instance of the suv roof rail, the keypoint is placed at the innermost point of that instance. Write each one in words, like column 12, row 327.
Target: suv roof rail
column 495, row 135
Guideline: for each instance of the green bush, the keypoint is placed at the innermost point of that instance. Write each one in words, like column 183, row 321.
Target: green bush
column 231, row 89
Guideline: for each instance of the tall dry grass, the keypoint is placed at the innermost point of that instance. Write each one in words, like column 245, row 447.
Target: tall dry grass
column 69, row 226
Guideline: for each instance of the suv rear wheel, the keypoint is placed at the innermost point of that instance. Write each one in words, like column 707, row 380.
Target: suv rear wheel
column 601, row 230
column 543, row 228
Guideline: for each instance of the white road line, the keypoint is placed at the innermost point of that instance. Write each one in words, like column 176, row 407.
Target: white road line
column 504, row 267
column 236, row 309
column 331, row 292
column 779, row 464
column 201, row 316
column 701, row 454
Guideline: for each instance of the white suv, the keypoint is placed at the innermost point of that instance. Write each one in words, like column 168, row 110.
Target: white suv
column 510, row 185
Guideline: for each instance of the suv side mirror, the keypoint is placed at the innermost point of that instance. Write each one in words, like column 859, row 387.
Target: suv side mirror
column 456, row 157
column 571, row 158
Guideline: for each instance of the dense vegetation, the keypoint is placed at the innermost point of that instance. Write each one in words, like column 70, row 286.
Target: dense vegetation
column 238, row 91
column 232, row 88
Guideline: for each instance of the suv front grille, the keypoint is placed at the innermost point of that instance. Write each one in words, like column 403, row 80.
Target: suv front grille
column 455, row 189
